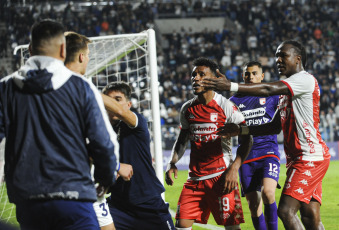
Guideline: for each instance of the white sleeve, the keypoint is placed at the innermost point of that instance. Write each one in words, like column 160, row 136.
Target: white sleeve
column 300, row 83
column 232, row 112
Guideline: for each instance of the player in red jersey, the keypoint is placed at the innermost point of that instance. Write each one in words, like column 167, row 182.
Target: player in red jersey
column 212, row 185
column 307, row 154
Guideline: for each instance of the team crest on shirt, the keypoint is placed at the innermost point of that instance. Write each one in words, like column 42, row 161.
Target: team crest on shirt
column 213, row 117
column 262, row 101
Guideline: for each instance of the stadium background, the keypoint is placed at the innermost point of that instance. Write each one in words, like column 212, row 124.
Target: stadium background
column 230, row 32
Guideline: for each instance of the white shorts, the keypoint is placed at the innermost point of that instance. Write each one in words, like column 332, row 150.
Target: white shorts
column 102, row 211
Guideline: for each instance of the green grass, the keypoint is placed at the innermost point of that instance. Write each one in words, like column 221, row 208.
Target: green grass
column 329, row 209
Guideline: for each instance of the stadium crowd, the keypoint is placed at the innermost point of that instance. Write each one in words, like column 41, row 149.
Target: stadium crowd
column 258, row 28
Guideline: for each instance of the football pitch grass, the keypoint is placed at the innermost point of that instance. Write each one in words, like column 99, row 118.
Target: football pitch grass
column 329, row 209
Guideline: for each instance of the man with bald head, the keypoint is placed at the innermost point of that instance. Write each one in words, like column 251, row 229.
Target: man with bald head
column 54, row 121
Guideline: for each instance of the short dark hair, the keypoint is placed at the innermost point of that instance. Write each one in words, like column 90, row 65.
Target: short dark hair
column 43, row 31
column 119, row 86
column 74, row 43
column 299, row 49
column 252, row 63
column 201, row 61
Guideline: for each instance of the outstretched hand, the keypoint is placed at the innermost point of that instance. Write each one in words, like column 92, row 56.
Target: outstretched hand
column 229, row 130
column 221, row 83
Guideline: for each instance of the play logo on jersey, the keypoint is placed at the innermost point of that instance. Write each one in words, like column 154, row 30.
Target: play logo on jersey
column 213, row 117
column 262, row 101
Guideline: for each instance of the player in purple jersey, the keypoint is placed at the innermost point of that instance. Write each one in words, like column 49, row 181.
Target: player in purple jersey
column 260, row 172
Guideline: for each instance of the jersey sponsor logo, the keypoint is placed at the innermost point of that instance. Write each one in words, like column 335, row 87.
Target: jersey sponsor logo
column 262, row 101
column 213, row 117
column 304, row 182
column 206, row 128
column 251, row 113
column 254, row 122
column 242, row 106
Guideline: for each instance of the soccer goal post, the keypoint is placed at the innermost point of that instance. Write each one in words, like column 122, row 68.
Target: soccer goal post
column 130, row 58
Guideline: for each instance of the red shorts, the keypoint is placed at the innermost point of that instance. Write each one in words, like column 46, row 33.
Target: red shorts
column 304, row 180
column 199, row 198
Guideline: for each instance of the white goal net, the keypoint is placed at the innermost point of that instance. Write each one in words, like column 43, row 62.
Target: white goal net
column 130, row 58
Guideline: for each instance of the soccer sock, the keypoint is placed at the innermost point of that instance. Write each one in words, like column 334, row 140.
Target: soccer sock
column 271, row 214
column 259, row 222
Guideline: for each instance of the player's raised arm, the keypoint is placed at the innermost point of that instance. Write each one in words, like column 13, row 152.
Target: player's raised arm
column 177, row 152
column 259, row 89
column 123, row 113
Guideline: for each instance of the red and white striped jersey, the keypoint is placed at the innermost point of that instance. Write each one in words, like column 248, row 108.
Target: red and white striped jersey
column 300, row 119
column 210, row 154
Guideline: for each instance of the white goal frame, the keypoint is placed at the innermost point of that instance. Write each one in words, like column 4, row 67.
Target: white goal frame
column 146, row 42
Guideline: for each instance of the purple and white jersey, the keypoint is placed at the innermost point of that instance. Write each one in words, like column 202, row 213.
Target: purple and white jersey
column 258, row 111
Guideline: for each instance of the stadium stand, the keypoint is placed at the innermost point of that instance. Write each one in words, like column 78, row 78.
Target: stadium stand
column 247, row 31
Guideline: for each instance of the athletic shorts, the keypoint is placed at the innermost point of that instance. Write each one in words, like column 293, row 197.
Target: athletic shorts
column 102, row 210
column 304, row 180
column 152, row 214
column 251, row 174
column 199, row 198
column 56, row 215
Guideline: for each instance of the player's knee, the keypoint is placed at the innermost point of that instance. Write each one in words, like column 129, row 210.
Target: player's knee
column 284, row 213
column 310, row 220
column 268, row 196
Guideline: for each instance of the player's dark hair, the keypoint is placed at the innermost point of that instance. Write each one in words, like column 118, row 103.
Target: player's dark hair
column 201, row 61
column 42, row 32
column 74, row 44
column 252, row 63
column 299, row 49
column 119, row 86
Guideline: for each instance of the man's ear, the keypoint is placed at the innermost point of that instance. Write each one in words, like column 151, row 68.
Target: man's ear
column 81, row 57
column 63, row 50
column 30, row 49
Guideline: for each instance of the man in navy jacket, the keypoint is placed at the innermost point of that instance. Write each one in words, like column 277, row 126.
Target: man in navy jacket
column 54, row 120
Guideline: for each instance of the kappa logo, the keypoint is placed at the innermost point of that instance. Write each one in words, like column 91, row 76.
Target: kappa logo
column 242, row 106
column 191, row 116
column 300, row 191
column 307, row 173
column 310, row 164
column 238, row 216
column 304, row 182
column 237, row 206
column 225, row 216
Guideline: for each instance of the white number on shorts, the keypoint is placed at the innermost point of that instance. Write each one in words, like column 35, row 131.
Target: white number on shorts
column 224, row 204
column 104, row 210
column 274, row 168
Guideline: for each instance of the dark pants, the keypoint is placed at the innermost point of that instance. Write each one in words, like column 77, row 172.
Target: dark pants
column 56, row 215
